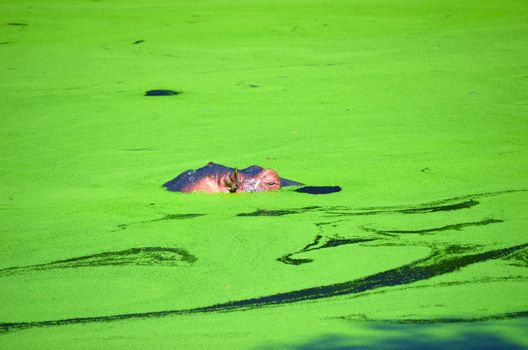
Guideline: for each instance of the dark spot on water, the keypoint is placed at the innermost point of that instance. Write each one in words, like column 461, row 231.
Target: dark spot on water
column 151, row 256
column 253, row 86
column 162, row 93
column 319, row 189
column 425, row 170
column 4, row 42
column 16, row 24
column 151, row 203
column 138, row 42
column 291, row 261
column 122, row 226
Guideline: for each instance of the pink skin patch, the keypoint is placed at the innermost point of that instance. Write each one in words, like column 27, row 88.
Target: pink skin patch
column 266, row 180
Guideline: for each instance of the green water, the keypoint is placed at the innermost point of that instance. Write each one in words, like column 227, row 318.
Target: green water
column 417, row 109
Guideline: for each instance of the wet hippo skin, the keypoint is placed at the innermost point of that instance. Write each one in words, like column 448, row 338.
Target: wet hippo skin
column 219, row 178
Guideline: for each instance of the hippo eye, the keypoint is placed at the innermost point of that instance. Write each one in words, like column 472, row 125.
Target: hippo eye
column 271, row 183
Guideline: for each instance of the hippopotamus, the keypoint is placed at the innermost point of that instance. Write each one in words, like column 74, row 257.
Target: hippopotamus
column 219, row 178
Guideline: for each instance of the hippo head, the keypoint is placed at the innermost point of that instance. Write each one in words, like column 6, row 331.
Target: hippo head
column 218, row 178
column 265, row 180
column 236, row 181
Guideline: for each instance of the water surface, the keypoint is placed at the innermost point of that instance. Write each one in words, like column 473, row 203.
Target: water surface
column 414, row 110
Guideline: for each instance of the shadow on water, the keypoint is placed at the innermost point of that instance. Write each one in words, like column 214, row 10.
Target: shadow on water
column 159, row 92
column 451, row 333
column 318, row 189
column 413, row 338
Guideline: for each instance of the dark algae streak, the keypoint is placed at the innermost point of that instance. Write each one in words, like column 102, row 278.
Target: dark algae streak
column 316, row 244
column 495, row 317
column 350, row 211
column 443, row 259
column 167, row 217
column 456, row 227
column 444, row 205
column 178, row 217
column 147, row 256
column 266, row 212
column 436, row 264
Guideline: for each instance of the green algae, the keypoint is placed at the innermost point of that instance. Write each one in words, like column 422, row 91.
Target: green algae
column 415, row 109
